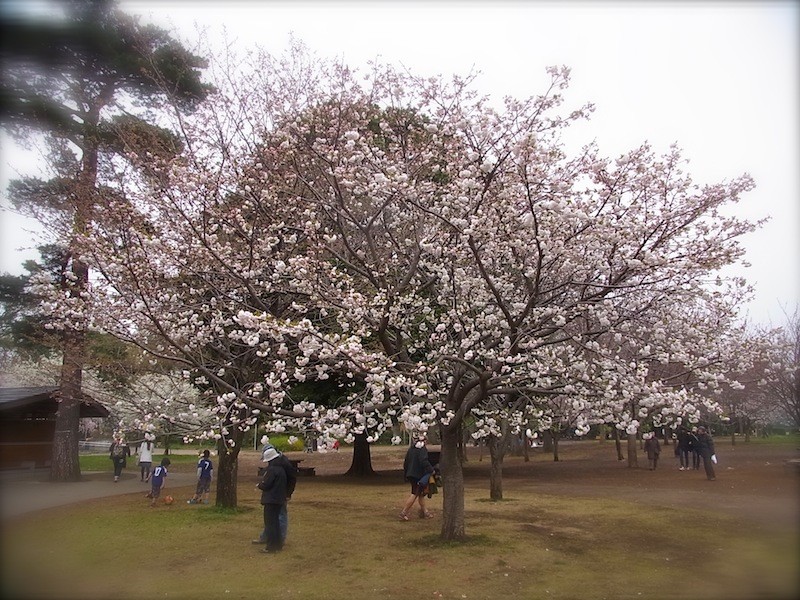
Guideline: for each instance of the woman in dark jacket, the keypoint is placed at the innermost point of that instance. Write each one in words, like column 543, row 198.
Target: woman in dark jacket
column 705, row 447
column 415, row 466
column 119, row 453
column 273, row 497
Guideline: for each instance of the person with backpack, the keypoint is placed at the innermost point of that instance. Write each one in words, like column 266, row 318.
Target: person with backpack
column 273, row 497
column 291, row 483
column 417, row 466
column 118, row 453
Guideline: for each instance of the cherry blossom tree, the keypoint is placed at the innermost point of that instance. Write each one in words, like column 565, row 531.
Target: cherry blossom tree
column 438, row 248
column 786, row 382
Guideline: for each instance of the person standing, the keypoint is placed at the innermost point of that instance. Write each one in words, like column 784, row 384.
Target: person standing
column 291, row 483
column 273, row 496
column 118, row 453
column 158, row 481
column 705, row 447
column 653, row 448
column 145, row 457
column 683, row 448
column 693, row 448
column 416, row 466
column 205, row 468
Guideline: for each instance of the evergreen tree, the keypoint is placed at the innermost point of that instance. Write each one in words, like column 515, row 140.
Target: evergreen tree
column 75, row 76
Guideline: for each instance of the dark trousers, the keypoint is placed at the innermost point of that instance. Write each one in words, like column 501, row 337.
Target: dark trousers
column 272, row 526
column 695, row 459
column 683, row 454
column 708, row 465
column 118, row 464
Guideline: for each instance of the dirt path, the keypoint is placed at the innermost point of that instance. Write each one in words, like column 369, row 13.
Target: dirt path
column 753, row 481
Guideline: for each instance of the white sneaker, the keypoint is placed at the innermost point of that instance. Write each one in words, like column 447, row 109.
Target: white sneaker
column 681, row 469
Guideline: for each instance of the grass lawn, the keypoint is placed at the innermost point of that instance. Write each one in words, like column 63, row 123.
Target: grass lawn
column 345, row 541
column 102, row 462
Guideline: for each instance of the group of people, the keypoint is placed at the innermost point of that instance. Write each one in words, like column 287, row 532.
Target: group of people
column 277, row 487
column 120, row 451
column 696, row 443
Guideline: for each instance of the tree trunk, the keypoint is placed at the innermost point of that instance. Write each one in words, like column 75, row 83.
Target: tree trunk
column 633, row 460
column 554, row 437
column 361, row 465
column 496, row 448
column 65, row 463
column 227, row 493
column 547, row 440
column 618, row 444
column 453, row 488
column 526, row 447
column 463, row 441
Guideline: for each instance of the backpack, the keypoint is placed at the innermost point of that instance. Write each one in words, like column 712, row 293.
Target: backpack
column 118, row 451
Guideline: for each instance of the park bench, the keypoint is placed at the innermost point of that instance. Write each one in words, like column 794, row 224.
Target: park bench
column 308, row 471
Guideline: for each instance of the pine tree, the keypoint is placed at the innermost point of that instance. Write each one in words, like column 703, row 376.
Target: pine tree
column 73, row 76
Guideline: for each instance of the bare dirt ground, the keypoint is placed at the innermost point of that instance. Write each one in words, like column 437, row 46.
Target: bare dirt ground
column 754, row 480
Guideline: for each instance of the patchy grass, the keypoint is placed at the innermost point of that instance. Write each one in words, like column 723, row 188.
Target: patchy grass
column 345, row 541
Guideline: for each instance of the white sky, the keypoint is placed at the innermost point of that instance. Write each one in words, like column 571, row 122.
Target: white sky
column 719, row 78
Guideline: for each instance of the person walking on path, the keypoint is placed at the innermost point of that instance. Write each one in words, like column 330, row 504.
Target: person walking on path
column 291, row 483
column 145, row 457
column 158, row 481
column 416, row 466
column 653, row 448
column 705, row 447
column 205, row 469
column 119, row 451
column 273, row 496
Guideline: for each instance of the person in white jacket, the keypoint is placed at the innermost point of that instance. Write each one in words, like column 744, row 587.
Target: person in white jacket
column 146, row 457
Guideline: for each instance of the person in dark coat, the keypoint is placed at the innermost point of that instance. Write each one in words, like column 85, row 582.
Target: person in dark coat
column 653, row 448
column 705, row 447
column 273, row 497
column 416, row 466
column 693, row 448
column 291, row 483
column 683, row 448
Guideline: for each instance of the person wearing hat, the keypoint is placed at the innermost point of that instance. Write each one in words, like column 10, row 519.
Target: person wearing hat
column 291, row 483
column 415, row 466
column 273, row 497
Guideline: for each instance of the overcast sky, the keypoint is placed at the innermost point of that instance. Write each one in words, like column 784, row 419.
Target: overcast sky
column 718, row 78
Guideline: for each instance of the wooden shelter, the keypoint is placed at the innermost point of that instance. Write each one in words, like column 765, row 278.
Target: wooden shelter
column 27, row 424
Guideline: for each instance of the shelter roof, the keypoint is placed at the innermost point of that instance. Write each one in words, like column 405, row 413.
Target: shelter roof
column 14, row 399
